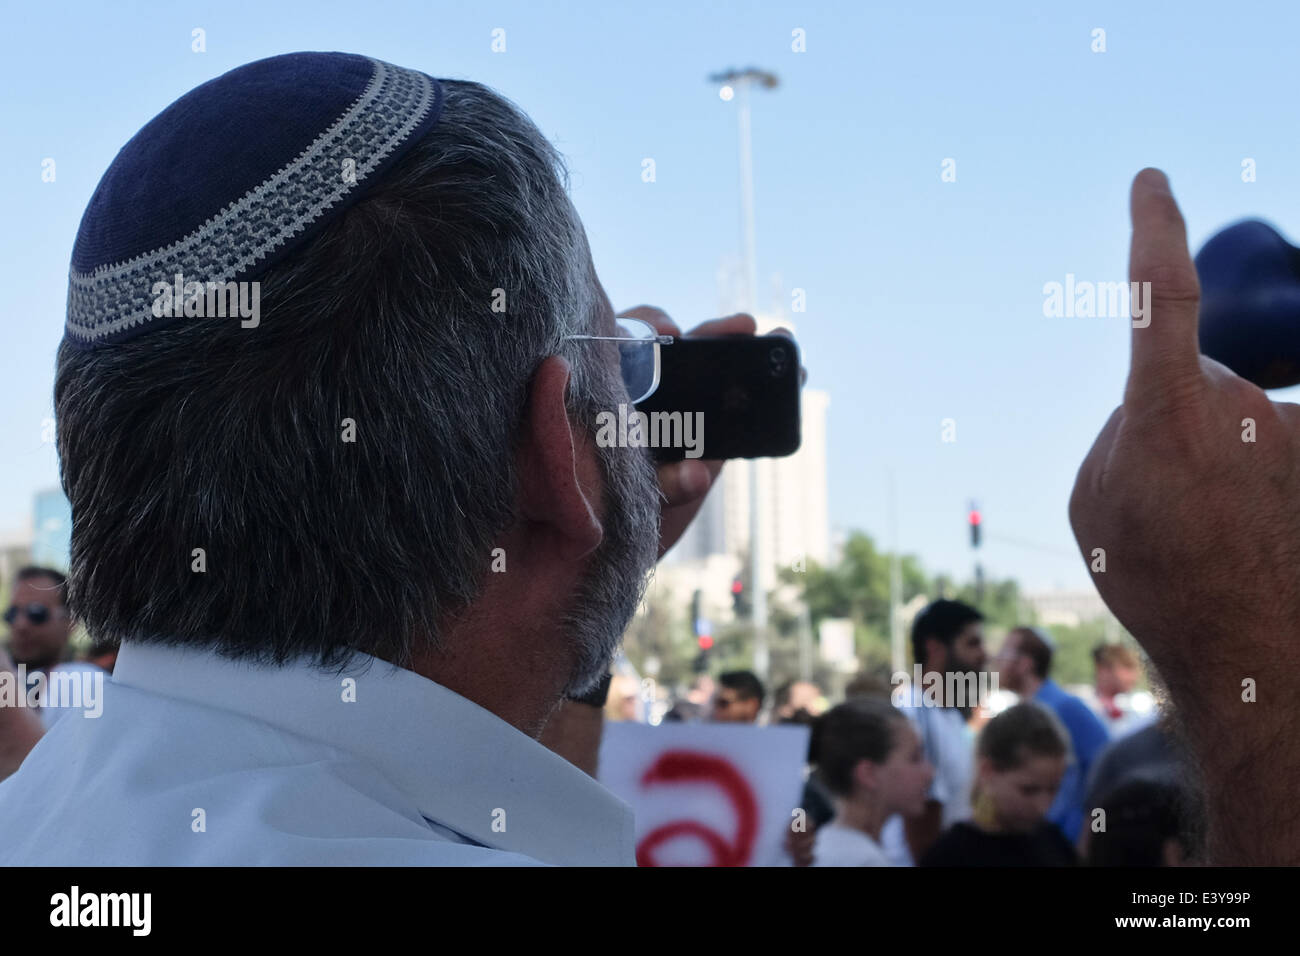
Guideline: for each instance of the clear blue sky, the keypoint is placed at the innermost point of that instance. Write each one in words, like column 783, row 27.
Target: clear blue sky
column 924, row 297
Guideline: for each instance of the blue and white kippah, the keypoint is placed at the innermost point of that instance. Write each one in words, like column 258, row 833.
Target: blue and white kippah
column 233, row 177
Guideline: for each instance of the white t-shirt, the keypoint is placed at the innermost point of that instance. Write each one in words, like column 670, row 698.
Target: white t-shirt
column 838, row 845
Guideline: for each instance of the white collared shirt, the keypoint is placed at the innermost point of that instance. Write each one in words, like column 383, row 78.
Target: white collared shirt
column 86, row 673
column 199, row 760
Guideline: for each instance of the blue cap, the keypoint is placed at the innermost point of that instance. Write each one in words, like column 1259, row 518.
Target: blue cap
column 234, row 177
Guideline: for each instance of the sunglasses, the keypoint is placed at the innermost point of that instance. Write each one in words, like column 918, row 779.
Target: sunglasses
column 638, row 354
column 36, row 613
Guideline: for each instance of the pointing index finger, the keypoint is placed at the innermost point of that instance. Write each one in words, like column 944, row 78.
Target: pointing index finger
column 1166, row 345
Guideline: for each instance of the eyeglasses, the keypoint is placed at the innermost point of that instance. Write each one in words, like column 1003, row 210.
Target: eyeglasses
column 36, row 613
column 638, row 354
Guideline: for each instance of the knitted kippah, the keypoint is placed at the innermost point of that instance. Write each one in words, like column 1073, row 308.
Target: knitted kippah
column 233, row 177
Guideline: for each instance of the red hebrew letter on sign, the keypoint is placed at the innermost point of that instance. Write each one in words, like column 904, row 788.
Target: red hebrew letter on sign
column 677, row 767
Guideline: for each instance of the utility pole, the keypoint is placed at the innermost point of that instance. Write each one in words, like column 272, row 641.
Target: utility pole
column 737, row 84
column 896, row 651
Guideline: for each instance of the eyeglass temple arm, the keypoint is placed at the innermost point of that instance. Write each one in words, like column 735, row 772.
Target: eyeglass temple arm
column 660, row 339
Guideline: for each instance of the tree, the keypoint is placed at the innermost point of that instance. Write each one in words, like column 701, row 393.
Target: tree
column 1001, row 605
column 858, row 587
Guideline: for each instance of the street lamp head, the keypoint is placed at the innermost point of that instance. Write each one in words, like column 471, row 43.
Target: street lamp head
column 765, row 78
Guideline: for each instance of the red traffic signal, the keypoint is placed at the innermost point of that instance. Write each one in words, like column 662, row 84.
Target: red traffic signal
column 706, row 642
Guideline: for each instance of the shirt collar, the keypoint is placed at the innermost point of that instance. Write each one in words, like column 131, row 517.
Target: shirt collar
column 461, row 765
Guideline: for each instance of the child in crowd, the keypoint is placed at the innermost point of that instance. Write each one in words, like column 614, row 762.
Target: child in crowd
column 870, row 759
column 1020, row 760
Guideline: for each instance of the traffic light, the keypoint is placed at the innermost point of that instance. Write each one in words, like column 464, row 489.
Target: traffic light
column 703, row 633
column 737, row 595
column 974, row 527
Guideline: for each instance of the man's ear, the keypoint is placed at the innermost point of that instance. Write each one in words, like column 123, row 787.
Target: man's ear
column 559, row 471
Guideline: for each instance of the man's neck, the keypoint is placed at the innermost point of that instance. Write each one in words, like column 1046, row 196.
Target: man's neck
column 507, row 668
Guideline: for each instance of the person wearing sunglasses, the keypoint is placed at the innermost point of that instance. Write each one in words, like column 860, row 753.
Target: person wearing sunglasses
column 40, row 635
column 361, row 556
column 738, row 699
column 40, row 626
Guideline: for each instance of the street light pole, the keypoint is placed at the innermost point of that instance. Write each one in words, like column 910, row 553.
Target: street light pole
column 739, row 82
column 896, row 649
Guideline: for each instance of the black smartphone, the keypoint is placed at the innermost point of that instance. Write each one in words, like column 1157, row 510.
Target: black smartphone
column 726, row 397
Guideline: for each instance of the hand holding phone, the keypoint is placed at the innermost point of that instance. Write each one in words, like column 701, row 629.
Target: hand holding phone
column 685, row 483
column 723, row 397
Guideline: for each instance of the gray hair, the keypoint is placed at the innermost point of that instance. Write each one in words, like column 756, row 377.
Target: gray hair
column 208, row 435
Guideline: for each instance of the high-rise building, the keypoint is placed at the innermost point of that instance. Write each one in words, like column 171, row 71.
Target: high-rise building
column 792, row 509
column 51, row 529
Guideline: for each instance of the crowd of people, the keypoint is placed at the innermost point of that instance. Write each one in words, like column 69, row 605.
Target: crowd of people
column 1054, row 779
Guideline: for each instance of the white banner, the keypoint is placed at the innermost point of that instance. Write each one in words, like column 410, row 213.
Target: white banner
column 707, row 794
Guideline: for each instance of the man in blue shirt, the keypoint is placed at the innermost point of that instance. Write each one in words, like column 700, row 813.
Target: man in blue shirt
column 1023, row 666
